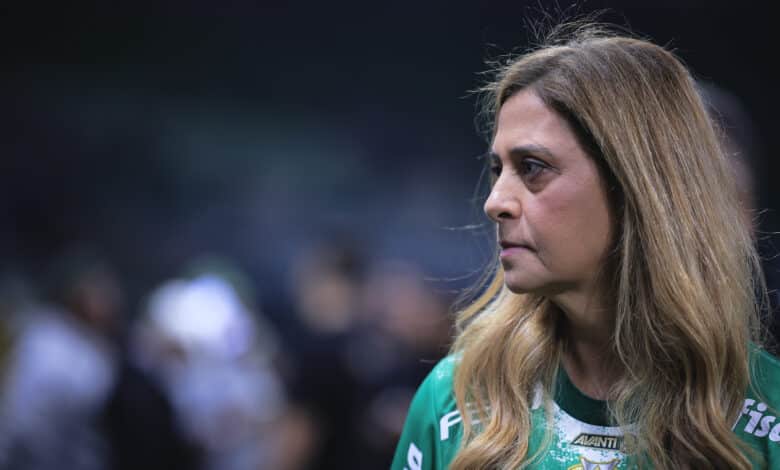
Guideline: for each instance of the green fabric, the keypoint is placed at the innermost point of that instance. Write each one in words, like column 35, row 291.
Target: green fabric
column 577, row 404
column 579, row 438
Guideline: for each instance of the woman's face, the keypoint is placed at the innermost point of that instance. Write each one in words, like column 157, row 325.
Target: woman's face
column 548, row 200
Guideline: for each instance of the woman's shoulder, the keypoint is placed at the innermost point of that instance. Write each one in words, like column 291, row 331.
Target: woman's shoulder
column 442, row 374
column 431, row 433
column 765, row 376
column 436, row 390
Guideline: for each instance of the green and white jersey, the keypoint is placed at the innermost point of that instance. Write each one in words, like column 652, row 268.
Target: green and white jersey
column 580, row 438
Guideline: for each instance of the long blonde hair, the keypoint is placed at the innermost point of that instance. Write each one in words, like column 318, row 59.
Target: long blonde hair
column 683, row 272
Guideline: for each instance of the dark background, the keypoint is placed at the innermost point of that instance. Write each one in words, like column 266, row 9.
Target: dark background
column 157, row 131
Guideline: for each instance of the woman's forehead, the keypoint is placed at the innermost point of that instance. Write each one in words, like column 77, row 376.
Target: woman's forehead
column 525, row 124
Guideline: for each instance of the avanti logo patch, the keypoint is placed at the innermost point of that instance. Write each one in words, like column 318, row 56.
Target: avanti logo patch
column 598, row 441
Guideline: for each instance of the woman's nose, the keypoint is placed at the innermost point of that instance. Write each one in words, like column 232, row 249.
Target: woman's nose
column 502, row 204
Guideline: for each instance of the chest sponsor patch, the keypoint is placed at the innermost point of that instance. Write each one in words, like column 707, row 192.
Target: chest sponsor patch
column 598, row 441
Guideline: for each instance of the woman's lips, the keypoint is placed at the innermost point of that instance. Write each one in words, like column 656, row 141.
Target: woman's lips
column 506, row 245
column 508, row 248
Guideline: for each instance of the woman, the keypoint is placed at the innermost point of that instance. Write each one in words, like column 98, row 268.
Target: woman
column 619, row 327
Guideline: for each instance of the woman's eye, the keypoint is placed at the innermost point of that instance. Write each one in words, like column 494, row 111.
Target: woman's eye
column 531, row 168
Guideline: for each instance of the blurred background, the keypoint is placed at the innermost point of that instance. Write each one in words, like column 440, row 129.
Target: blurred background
column 232, row 233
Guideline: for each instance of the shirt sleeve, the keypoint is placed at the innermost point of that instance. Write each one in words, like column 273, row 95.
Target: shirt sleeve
column 417, row 447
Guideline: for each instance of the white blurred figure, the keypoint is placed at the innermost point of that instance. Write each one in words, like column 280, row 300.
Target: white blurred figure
column 60, row 371
column 213, row 354
column 58, row 378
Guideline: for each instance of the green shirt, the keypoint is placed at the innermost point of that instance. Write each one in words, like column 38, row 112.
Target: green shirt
column 581, row 438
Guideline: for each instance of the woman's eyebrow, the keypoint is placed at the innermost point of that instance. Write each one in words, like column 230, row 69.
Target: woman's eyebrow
column 531, row 149
column 524, row 150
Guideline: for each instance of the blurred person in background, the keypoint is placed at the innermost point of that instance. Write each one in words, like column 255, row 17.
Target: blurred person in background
column 15, row 297
column 61, row 368
column 206, row 342
column 406, row 330
column 367, row 331
column 138, row 421
column 325, row 290
column 140, row 425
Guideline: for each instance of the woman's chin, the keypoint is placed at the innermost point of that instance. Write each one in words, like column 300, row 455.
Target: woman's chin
column 521, row 284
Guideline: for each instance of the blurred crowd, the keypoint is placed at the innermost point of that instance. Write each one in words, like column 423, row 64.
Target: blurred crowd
column 204, row 375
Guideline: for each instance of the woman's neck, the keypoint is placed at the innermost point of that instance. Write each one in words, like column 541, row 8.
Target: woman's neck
column 589, row 368
column 587, row 356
